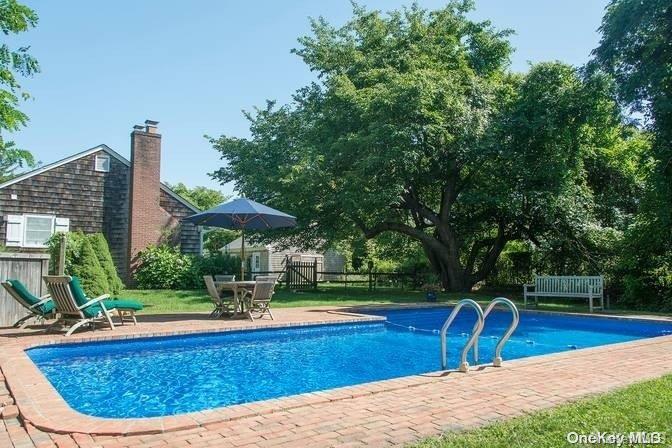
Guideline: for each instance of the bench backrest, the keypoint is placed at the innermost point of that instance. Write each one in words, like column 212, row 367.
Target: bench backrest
column 568, row 284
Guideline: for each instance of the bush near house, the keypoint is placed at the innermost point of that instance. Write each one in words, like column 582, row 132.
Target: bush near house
column 102, row 250
column 164, row 267
column 88, row 257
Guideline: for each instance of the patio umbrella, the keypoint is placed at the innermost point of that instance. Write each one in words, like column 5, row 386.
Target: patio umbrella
column 243, row 214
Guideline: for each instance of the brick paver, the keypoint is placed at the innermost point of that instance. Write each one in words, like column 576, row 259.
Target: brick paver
column 384, row 413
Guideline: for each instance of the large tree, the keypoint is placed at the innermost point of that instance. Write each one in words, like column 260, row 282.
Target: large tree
column 14, row 19
column 417, row 127
column 636, row 49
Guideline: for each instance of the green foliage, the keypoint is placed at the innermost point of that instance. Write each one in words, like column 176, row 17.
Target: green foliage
column 102, row 250
column 88, row 257
column 202, row 197
column 635, row 49
column 215, row 239
column 417, row 128
column 15, row 18
column 90, row 272
column 164, row 267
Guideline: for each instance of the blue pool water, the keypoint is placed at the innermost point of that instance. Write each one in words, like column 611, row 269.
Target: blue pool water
column 172, row 375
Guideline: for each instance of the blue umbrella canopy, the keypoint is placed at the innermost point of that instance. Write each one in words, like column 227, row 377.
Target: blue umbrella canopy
column 243, row 214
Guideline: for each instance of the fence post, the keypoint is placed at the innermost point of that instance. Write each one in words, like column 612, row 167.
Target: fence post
column 315, row 273
column 287, row 271
column 61, row 254
column 370, row 276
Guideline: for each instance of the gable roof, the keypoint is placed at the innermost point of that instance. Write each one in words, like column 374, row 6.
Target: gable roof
column 85, row 153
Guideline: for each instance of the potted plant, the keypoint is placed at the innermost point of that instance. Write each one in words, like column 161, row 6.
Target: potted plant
column 431, row 290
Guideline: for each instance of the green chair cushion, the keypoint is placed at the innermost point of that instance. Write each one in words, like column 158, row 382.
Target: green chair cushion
column 93, row 310
column 77, row 291
column 31, row 299
column 81, row 298
column 123, row 304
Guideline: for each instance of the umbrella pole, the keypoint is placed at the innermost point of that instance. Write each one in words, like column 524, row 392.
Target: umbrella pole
column 242, row 257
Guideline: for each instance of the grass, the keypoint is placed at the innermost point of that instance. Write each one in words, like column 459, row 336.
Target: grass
column 180, row 301
column 642, row 407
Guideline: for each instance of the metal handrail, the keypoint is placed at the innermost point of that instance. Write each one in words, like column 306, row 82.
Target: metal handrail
column 497, row 360
column 464, row 365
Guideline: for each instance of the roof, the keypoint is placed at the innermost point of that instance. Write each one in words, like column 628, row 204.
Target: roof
column 85, row 153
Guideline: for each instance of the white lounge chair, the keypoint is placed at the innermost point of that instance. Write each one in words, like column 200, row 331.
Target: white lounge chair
column 259, row 300
column 74, row 308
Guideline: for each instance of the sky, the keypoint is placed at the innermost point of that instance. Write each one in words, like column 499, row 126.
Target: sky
column 195, row 66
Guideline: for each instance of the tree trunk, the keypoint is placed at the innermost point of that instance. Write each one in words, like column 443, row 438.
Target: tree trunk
column 450, row 272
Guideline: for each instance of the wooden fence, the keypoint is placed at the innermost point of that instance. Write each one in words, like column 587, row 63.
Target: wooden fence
column 304, row 275
column 27, row 268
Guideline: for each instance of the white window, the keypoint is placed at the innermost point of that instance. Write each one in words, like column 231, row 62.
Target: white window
column 38, row 229
column 256, row 262
column 33, row 230
column 102, row 163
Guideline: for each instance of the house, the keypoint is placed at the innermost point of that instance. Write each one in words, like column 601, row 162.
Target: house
column 270, row 258
column 98, row 190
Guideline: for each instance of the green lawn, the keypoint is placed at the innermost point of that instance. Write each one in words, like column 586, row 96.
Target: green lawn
column 175, row 301
column 642, row 407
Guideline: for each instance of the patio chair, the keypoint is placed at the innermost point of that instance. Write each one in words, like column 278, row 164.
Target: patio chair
column 223, row 304
column 259, row 300
column 39, row 308
column 124, row 307
column 225, row 278
column 73, row 307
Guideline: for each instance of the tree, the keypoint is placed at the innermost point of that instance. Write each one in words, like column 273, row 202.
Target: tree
column 635, row 49
column 202, row 197
column 102, row 251
column 215, row 239
column 14, row 19
column 416, row 127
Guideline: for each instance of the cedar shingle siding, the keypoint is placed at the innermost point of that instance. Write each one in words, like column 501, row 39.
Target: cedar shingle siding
column 93, row 201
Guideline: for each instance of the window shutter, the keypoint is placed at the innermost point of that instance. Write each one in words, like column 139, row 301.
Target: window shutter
column 62, row 225
column 14, row 236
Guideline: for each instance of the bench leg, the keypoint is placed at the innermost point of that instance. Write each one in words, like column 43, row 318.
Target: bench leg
column 590, row 302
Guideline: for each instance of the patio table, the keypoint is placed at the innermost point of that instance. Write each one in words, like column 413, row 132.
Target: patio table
column 239, row 288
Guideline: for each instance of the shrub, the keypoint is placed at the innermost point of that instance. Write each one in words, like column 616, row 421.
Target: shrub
column 214, row 264
column 89, row 271
column 164, row 267
column 83, row 255
column 102, row 250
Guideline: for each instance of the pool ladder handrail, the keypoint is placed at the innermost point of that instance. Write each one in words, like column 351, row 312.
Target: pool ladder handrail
column 478, row 327
column 497, row 360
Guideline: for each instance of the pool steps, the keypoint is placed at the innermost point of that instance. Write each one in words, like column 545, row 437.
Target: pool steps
column 476, row 331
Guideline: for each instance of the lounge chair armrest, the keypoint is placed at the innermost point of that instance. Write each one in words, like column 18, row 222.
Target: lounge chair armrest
column 43, row 300
column 92, row 301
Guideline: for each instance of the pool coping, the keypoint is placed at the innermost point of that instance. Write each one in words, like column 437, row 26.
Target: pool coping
column 41, row 405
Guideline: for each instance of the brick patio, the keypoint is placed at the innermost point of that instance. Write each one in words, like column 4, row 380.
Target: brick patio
column 383, row 413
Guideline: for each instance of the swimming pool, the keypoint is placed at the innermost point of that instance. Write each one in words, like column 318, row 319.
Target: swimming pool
column 161, row 376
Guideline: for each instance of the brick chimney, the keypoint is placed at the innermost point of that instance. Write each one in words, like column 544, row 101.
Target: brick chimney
column 145, row 217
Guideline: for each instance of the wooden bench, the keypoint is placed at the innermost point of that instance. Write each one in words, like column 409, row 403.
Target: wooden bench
column 590, row 287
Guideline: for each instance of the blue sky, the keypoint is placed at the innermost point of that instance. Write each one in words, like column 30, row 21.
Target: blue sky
column 193, row 66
